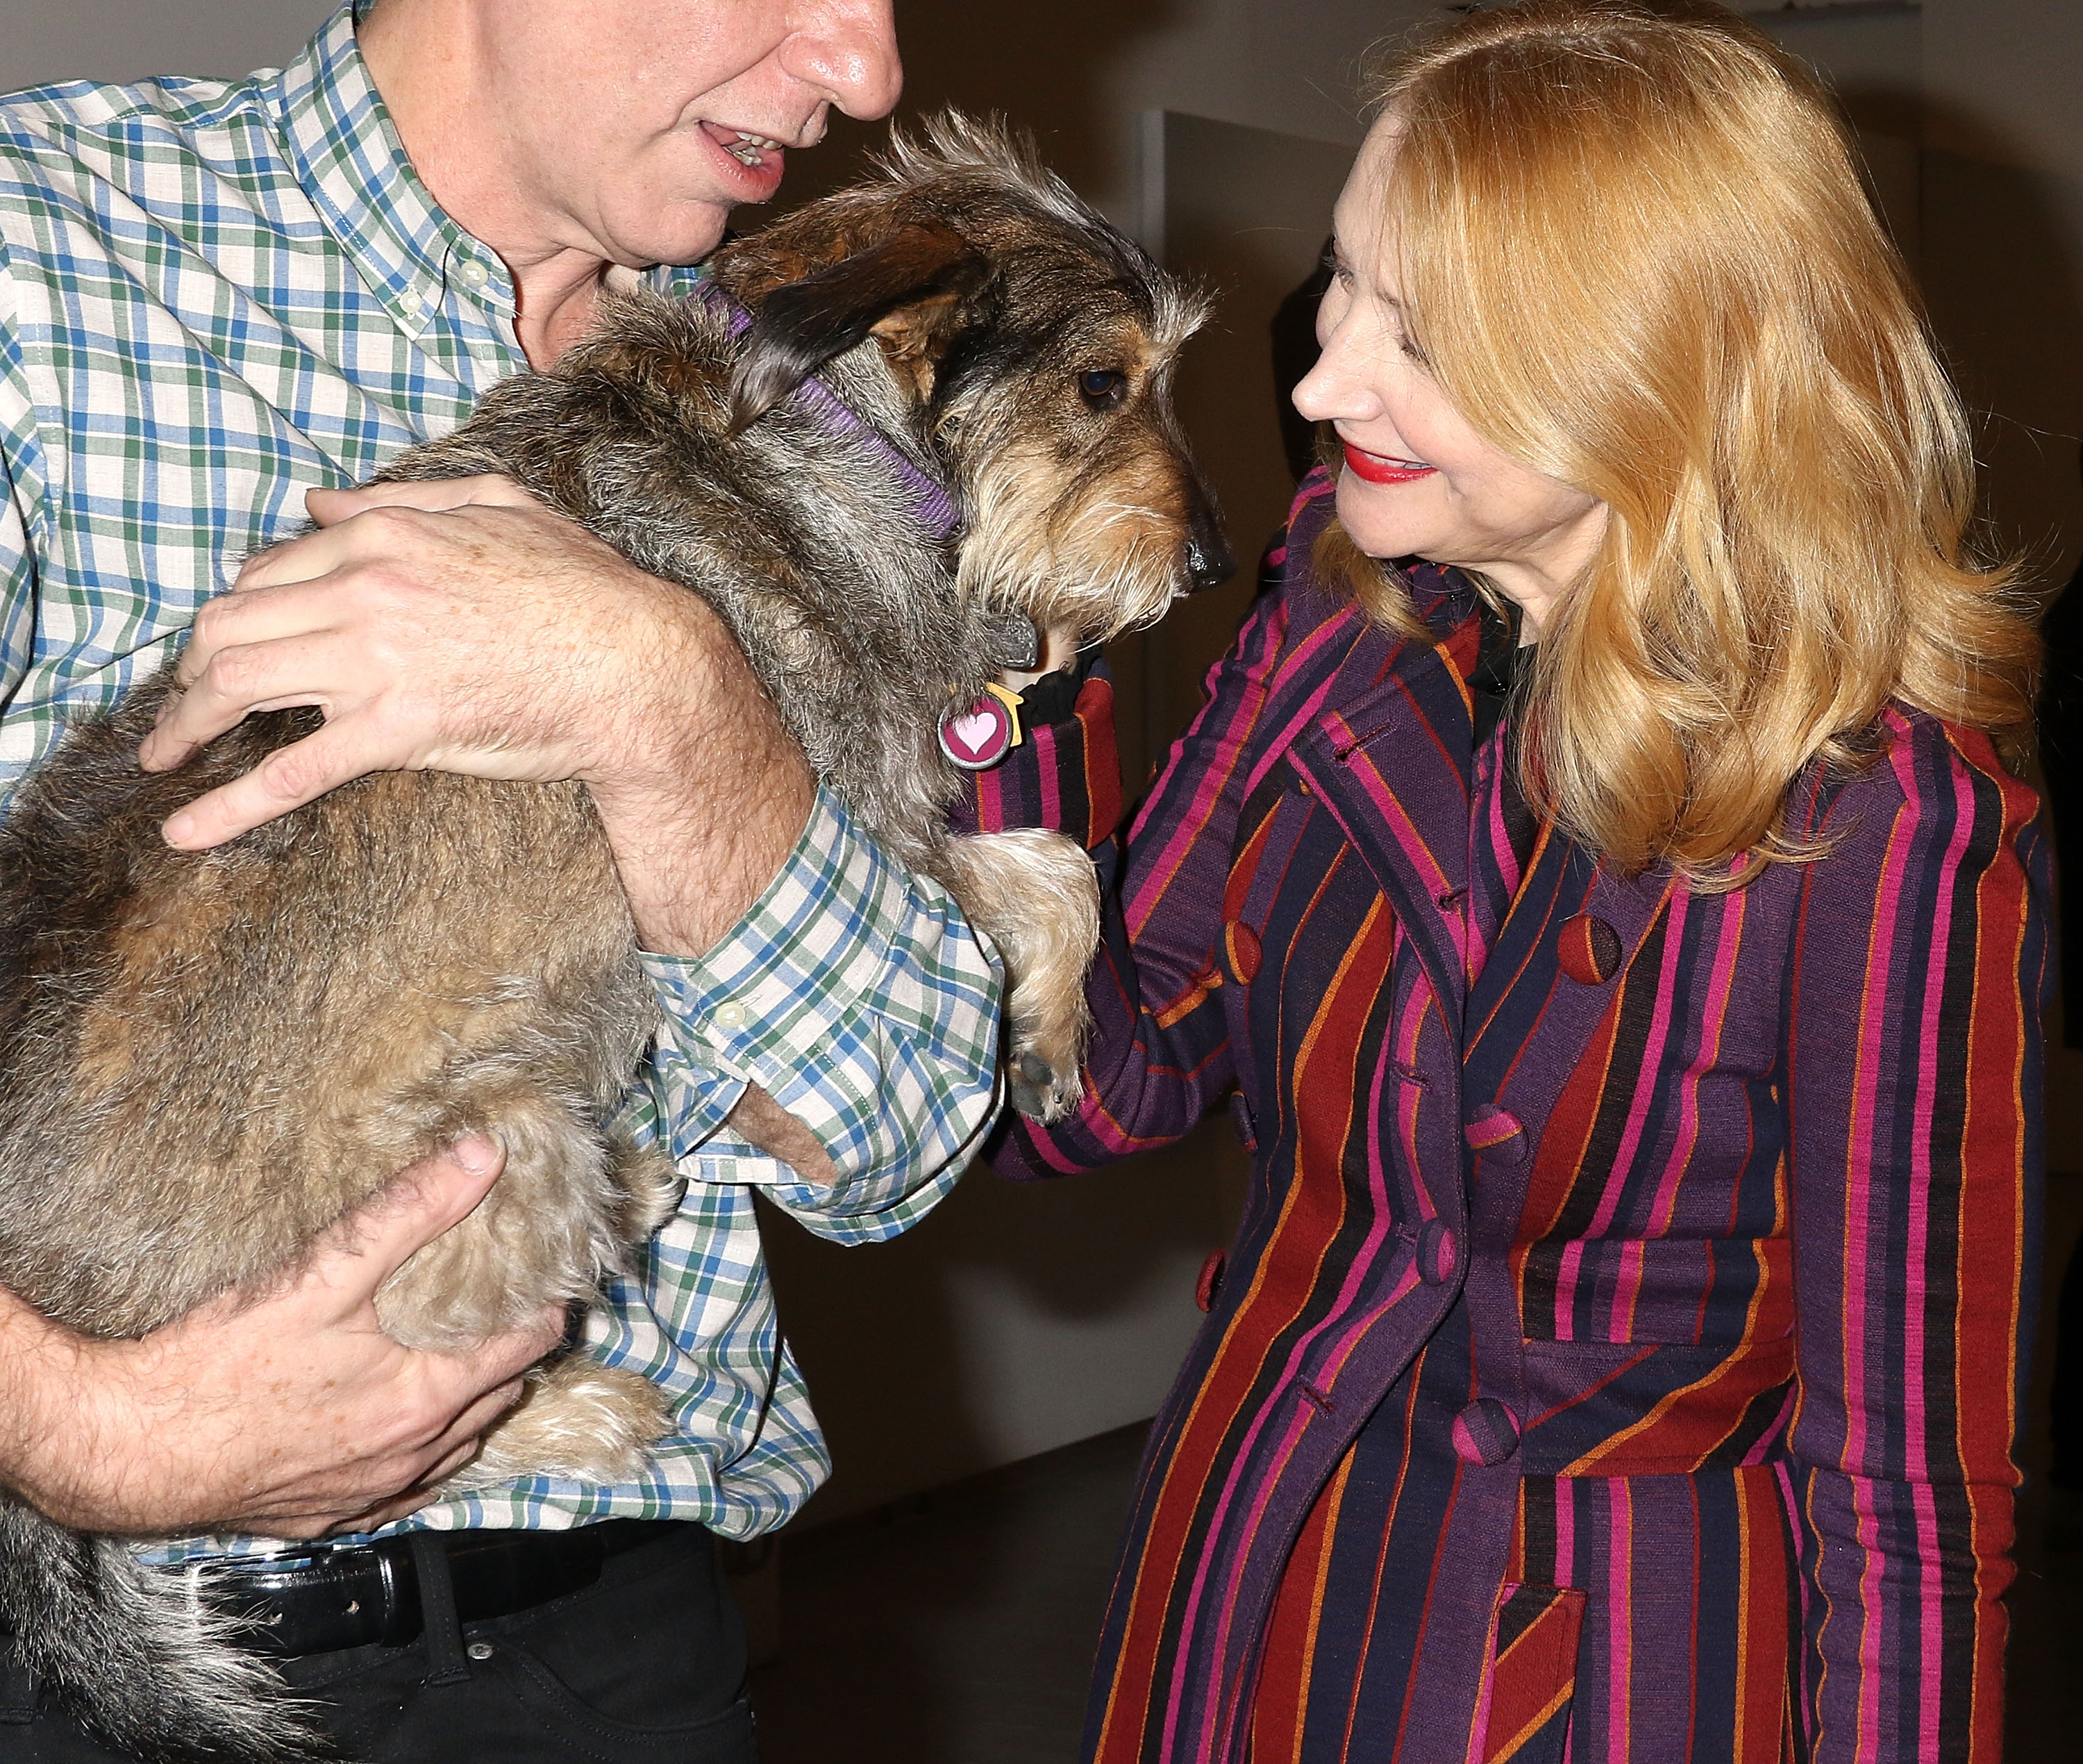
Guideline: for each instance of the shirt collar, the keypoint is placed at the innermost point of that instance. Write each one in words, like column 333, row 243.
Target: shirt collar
column 351, row 163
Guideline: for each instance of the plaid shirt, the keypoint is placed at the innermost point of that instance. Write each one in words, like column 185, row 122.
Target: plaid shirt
column 214, row 297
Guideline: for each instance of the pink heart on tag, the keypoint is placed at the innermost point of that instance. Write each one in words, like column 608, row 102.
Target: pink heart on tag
column 975, row 732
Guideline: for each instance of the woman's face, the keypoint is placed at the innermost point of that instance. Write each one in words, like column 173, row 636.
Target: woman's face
column 1418, row 480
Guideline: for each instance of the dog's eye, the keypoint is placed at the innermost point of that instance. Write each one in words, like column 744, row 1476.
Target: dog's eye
column 1103, row 388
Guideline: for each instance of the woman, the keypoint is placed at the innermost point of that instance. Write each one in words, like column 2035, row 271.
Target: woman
column 1636, row 1027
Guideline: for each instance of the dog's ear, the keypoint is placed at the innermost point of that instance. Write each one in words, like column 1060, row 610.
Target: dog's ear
column 906, row 291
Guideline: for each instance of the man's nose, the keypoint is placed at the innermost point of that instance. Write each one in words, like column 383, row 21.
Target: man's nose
column 849, row 53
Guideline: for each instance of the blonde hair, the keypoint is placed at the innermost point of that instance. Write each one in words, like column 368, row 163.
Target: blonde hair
column 1632, row 242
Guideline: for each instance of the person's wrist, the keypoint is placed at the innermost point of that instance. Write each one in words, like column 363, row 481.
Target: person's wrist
column 48, row 1454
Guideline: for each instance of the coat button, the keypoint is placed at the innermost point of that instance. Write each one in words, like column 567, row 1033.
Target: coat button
column 1243, row 1120
column 1244, row 952
column 1207, row 1288
column 1485, row 1433
column 1589, row 950
column 1437, row 1254
column 1491, row 1130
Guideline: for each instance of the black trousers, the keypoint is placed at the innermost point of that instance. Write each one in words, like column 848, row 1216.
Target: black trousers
column 646, row 1665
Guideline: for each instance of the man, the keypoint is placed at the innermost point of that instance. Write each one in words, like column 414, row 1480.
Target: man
column 213, row 299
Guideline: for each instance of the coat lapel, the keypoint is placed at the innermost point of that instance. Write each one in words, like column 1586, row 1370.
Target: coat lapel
column 1391, row 760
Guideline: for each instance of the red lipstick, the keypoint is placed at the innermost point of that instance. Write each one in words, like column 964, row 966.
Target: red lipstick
column 1376, row 470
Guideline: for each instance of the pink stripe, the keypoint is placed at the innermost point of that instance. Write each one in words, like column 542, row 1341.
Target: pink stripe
column 1858, row 1225
column 1916, row 1442
column 991, row 801
column 1858, row 1175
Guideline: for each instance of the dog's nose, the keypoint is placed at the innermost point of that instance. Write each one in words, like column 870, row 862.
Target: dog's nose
column 1209, row 563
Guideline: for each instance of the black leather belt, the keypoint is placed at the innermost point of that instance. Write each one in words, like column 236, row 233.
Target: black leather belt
column 330, row 1596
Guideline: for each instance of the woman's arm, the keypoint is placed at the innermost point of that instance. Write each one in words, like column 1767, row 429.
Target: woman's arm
column 1920, row 972
column 1159, row 1055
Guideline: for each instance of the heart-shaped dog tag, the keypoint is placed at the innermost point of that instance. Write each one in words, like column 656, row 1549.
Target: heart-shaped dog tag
column 978, row 738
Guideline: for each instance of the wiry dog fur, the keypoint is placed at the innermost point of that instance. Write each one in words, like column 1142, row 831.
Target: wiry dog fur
column 210, row 1059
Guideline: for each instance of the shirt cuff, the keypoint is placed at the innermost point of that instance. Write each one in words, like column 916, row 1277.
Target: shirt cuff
column 782, row 1000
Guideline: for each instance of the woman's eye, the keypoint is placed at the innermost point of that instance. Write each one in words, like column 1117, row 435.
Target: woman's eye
column 1103, row 388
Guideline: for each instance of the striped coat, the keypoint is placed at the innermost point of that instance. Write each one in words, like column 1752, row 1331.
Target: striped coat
column 1618, row 1355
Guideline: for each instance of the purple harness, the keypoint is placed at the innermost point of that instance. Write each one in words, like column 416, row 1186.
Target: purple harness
column 931, row 504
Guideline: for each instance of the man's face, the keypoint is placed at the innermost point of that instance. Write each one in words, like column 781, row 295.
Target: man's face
column 635, row 126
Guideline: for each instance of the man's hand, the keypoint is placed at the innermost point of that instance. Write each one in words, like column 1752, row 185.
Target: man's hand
column 458, row 626
column 287, row 1417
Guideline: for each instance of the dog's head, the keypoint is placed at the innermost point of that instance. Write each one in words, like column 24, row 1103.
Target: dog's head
column 1034, row 345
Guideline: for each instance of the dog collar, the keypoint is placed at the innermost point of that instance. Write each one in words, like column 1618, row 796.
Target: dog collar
column 931, row 503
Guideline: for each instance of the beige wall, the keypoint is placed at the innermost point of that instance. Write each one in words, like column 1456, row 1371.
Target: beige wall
column 120, row 39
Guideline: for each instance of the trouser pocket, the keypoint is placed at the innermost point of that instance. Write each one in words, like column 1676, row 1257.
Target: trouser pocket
column 1529, row 1676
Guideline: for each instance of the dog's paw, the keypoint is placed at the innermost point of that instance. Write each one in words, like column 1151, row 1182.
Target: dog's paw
column 1039, row 1091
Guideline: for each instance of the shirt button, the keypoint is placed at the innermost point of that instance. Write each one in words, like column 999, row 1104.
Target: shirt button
column 1485, row 1433
column 729, row 1015
column 410, row 300
column 1492, row 1130
column 476, row 273
column 1439, row 1254
column 1589, row 950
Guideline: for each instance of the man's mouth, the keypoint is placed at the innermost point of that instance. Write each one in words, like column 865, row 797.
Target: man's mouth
column 1384, row 468
column 760, row 155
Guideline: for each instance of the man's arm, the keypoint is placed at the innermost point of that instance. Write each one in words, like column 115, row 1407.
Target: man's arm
column 287, row 1417
column 459, row 625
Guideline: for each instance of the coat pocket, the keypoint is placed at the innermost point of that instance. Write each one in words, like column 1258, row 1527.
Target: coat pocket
column 1529, row 1676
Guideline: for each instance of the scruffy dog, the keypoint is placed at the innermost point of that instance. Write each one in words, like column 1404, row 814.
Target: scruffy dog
column 207, row 1060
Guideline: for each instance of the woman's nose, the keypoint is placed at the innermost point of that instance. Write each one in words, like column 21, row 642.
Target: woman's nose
column 849, row 53
column 1332, row 391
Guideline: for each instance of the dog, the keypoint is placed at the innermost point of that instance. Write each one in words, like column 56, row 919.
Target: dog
column 906, row 438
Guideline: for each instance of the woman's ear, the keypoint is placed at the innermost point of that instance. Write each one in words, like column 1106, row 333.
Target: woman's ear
column 906, row 291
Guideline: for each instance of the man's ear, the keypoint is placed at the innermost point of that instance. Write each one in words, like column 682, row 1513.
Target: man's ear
column 906, row 291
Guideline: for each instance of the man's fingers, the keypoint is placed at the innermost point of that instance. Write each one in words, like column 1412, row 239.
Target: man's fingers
column 435, row 495
column 234, row 684
column 288, row 779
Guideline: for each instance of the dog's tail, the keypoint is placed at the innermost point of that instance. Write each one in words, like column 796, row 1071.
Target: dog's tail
column 135, row 1654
